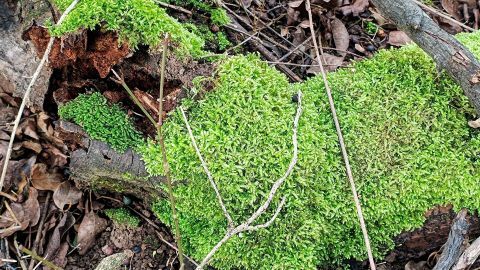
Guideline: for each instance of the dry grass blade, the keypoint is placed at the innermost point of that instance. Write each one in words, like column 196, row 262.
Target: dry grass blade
column 342, row 143
column 27, row 93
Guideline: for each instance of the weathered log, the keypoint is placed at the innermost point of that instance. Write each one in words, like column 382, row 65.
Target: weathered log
column 457, row 240
column 18, row 59
column 96, row 165
column 468, row 257
column 449, row 54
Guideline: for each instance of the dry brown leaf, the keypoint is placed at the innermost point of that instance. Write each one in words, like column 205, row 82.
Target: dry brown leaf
column 411, row 265
column 359, row 48
column 66, row 194
column 305, row 24
column 55, row 239
column 356, row 8
column 295, row 4
column 398, row 38
column 34, row 146
column 451, row 6
column 44, row 180
column 474, row 123
column 149, row 102
column 28, row 127
column 331, row 62
column 341, row 37
column 292, row 16
column 56, row 158
column 90, row 227
column 31, row 207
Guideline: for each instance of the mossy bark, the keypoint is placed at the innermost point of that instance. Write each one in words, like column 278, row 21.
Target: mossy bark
column 447, row 52
column 98, row 166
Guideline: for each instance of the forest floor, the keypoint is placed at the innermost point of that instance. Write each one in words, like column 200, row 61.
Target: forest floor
column 56, row 210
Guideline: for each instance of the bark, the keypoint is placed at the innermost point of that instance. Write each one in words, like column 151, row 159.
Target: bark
column 96, row 165
column 18, row 59
column 449, row 54
column 457, row 240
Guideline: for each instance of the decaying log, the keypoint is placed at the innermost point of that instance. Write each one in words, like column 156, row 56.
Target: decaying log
column 18, row 58
column 456, row 243
column 468, row 257
column 96, row 165
column 447, row 52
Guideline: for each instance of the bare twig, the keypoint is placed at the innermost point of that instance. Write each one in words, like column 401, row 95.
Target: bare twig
column 17, row 249
column 40, row 228
column 166, row 166
column 170, row 6
column 341, row 142
column 207, row 171
column 27, row 93
column 247, row 225
column 35, row 256
column 443, row 15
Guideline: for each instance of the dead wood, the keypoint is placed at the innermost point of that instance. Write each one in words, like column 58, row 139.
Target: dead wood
column 18, row 59
column 447, row 52
column 457, row 240
column 98, row 166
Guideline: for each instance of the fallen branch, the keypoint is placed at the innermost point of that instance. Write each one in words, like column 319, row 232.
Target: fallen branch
column 341, row 142
column 27, row 93
column 446, row 17
column 455, row 243
column 247, row 225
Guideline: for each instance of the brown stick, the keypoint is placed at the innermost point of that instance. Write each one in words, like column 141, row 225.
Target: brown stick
column 447, row 52
column 455, row 243
column 166, row 165
column 343, row 148
column 39, row 229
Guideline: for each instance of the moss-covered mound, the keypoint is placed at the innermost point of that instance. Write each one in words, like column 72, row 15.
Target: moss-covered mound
column 104, row 122
column 137, row 22
column 406, row 131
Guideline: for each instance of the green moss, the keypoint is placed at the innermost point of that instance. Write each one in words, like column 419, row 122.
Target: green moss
column 218, row 16
column 101, row 121
column 122, row 216
column 406, row 133
column 137, row 22
column 371, row 28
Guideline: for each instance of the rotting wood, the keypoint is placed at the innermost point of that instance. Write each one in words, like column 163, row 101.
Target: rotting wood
column 457, row 240
column 468, row 258
column 447, row 52
column 98, row 166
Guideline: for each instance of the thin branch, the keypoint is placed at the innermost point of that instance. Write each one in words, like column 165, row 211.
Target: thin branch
column 341, row 142
column 170, row 6
column 35, row 256
column 268, row 223
column 17, row 249
column 246, row 226
column 166, row 165
column 40, row 228
column 441, row 14
column 27, row 93
column 207, row 171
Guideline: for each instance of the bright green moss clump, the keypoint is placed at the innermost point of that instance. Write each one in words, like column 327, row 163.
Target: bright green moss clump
column 137, row 22
column 407, row 136
column 122, row 216
column 104, row 122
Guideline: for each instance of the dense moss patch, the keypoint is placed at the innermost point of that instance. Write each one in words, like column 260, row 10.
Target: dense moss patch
column 102, row 121
column 122, row 216
column 136, row 21
column 406, row 131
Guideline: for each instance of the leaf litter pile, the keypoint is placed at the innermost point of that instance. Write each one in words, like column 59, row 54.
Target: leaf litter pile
column 45, row 214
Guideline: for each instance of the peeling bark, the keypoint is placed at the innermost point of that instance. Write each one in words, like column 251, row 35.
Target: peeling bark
column 18, row 59
column 447, row 52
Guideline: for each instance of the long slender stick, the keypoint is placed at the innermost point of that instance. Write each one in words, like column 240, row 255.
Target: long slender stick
column 441, row 14
column 40, row 229
column 207, row 171
column 166, row 166
column 27, row 93
column 342, row 143
column 246, row 226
